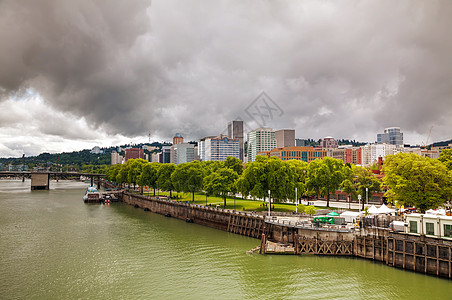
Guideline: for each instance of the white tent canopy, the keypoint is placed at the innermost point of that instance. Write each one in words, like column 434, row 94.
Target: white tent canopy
column 350, row 216
column 373, row 210
column 385, row 210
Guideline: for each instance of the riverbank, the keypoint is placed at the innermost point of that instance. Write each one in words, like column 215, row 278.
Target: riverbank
column 416, row 253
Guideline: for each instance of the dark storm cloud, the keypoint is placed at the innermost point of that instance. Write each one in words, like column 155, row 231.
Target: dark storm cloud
column 341, row 68
column 79, row 55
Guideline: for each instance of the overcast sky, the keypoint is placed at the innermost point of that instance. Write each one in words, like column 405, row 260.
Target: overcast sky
column 75, row 74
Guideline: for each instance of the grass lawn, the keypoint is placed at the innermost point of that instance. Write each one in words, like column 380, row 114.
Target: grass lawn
column 240, row 204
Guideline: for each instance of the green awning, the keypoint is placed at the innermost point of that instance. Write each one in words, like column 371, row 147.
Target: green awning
column 333, row 214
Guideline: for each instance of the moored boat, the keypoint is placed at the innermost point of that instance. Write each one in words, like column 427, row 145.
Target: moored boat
column 92, row 195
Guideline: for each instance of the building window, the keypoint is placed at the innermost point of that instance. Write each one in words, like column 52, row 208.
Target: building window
column 429, row 228
column 413, row 227
column 448, row 230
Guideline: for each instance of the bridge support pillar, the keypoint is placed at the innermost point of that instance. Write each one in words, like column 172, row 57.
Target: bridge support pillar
column 39, row 181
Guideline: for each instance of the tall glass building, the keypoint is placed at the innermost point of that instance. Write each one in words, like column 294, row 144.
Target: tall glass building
column 391, row 135
column 260, row 140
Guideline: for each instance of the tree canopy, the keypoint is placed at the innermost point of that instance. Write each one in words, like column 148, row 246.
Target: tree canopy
column 416, row 181
column 221, row 182
column 188, row 177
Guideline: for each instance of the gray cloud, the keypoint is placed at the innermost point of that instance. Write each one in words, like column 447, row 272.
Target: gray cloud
column 341, row 68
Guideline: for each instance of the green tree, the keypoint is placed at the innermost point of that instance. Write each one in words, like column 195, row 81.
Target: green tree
column 366, row 179
column 446, row 158
column 122, row 176
column 149, row 175
column 234, row 164
column 268, row 173
column 134, row 172
column 164, row 178
column 112, row 172
column 300, row 169
column 348, row 186
column 188, row 177
column 221, row 183
column 416, row 181
column 325, row 176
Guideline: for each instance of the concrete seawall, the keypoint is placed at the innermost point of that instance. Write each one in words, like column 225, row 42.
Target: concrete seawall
column 410, row 252
column 223, row 219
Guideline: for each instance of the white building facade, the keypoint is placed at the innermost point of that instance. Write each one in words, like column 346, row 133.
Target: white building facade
column 259, row 140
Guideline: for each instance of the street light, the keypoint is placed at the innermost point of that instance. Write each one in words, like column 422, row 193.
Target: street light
column 359, row 203
column 269, row 203
column 367, row 197
column 296, row 201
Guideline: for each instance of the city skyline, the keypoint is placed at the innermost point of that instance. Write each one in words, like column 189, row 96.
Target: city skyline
column 75, row 75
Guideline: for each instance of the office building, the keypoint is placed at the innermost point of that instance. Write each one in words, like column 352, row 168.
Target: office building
column 301, row 143
column 183, row 153
column 116, row 158
column 260, row 140
column 372, row 152
column 235, row 131
column 166, row 154
column 202, row 147
column 391, row 135
column 285, row 138
column 306, row 154
column 219, row 148
column 134, row 153
column 328, row 142
column 157, row 157
column 348, row 154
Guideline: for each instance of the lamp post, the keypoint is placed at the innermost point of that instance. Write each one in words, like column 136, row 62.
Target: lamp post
column 269, row 203
column 367, row 197
column 359, row 203
column 296, row 201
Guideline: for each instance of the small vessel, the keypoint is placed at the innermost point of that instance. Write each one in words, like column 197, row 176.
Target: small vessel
column 92, row 195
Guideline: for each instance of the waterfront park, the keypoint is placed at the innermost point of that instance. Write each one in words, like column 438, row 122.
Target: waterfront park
column 408, row 180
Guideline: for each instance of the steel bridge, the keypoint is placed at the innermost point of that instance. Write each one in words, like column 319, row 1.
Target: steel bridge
column 41, row 180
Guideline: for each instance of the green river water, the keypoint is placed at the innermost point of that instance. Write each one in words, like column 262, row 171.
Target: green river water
column 53, row 246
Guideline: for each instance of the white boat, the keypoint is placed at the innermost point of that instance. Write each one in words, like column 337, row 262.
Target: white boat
column 92, row 195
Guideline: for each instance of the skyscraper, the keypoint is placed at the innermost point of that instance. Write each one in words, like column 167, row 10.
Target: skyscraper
column 219, row 148
column 235, row 131
column 259, row 140
column 285, row 138
column 391, row 135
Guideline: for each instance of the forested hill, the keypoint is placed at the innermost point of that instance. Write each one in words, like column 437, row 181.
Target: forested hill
column 84, row 157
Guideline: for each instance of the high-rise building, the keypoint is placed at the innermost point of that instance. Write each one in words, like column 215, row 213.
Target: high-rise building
column 157, row 157
column 178, row 139
column 116, row 158
column 329, row 142
column 166, row 154
column 202, row 147
column 219, row 148
column 134, row 153
column 235, row 131
column 301, row 143
column 259, row 140
column 391, row 135
column 371, row 152
column 184, row 152
column 285, row 138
